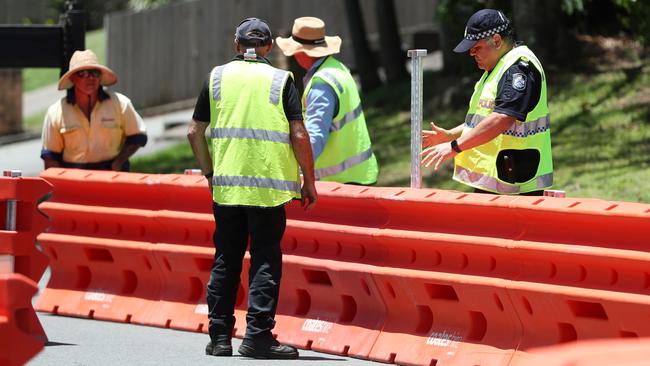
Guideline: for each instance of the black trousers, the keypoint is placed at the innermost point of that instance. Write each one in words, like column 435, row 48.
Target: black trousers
column 234, row 226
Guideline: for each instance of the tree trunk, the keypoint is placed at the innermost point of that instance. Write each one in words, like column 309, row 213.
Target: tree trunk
column 365, row 64
column 391, row 54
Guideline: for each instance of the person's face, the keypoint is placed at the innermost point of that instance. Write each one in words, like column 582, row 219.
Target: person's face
column 486, row 52
column 303, row 60
column 86, row 81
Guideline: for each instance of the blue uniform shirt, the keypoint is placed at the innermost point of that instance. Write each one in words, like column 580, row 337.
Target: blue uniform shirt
column 321, row 106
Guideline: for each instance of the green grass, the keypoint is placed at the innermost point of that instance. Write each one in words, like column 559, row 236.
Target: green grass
column 171, row 160
column 600, row 134
column 34, row 78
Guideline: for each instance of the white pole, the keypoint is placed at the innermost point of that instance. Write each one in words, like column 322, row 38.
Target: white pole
column 416, row 115
column 7, row 262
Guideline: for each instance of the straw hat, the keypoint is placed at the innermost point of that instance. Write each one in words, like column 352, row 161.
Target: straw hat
column 308, row 36
column 86, row 60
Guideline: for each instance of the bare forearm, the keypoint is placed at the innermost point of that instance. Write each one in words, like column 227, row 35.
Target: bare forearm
column 196, row 137
column 302, row 150
column 455, row 132
column 489, row 128
column 127, row 151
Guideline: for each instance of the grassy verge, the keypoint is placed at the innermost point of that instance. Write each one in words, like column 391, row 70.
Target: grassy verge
column 600, row 134
column 34, row 78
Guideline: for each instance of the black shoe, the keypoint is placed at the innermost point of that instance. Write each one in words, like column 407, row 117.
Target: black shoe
column 220, row 348
column 267, row 347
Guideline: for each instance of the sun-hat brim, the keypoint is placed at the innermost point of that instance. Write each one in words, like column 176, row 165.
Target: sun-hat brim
column 108, row 76
column 289, row 46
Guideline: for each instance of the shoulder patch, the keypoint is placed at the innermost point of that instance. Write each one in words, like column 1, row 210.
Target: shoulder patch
column 519, row 81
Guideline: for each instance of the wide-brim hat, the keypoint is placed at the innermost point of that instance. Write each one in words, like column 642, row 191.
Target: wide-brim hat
column 86, row 60
column 308, row 36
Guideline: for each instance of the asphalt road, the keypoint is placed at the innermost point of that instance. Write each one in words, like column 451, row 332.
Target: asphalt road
column 74, row 341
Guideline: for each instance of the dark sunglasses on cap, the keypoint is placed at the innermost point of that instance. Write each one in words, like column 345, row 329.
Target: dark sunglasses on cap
column 88, row 73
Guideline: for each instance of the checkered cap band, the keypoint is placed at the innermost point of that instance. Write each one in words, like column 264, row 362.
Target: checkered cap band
column 487, row 33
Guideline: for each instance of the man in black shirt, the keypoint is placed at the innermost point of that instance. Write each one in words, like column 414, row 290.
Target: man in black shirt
column 257, row 146
column 507, row 147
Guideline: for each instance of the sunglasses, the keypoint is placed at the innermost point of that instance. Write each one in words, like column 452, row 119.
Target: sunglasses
column 88, row 73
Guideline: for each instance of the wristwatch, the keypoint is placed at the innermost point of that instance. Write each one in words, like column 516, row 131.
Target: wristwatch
column 454, row 146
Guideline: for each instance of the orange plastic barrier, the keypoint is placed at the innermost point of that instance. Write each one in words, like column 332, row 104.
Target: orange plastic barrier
column 20, row 243
column 447, row 319
column 416, row 277
column 329, row 306
column 21, row 334
column 602, row 352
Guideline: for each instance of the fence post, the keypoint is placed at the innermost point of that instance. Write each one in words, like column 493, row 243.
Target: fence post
column 416, row 115
column 7, row 262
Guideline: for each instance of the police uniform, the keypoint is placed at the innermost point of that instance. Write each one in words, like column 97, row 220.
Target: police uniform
column 519, row 160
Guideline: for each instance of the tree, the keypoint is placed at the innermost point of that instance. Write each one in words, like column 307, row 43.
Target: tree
column 391, row 54
column 365, row 63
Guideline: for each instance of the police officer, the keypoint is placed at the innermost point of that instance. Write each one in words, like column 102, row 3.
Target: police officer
column 258, row 142
column 333, row 114
column 504, row 145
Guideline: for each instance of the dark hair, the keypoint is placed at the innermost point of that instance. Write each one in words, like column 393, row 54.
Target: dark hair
column 102, row 95
column 509, row 35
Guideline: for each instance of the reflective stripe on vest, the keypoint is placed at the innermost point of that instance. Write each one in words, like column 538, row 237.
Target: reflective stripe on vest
column 276, row 86
column 345, row 165
column 216, row 82
column 520, row 129
column 495, row 185
column 329, row 76
column 250, row 133
column 348, row 117
column 258, row 182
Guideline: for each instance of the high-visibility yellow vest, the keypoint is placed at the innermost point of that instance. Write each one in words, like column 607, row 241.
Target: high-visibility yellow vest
column 347, row 156
column 477, row 167
column 254, row 163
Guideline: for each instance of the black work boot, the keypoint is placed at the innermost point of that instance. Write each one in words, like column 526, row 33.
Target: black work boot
column 266, row 347
column 219, row 348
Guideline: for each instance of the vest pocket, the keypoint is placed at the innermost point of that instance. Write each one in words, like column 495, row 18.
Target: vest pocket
column 517, row 166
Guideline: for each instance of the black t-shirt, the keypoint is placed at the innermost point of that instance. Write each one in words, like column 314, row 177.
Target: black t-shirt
column 518, row 90
column 290, row 99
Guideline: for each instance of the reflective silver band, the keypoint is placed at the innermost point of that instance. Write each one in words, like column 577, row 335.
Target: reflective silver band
column 348, row 117
column 216, row 82
column 545, row 181
column 279, row 78
column 250, row 133
column 258, row 182
column 329, row 76
column 488, row 183
column 345, row 165
column 520, row 129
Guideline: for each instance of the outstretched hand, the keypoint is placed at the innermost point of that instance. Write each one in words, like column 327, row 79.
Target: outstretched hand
column 437, row 155
column 434, row 137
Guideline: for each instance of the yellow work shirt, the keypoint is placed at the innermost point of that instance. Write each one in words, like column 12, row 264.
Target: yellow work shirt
column 66, row 129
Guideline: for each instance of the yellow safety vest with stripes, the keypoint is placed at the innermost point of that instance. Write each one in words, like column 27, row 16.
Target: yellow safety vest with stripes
column 477, row 167
column 254, row 163
column 347, row 156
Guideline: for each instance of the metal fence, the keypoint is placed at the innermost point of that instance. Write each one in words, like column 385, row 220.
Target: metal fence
column 163, row 55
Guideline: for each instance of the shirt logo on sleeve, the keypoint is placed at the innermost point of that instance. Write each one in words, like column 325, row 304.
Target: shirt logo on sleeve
column 519, row 81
